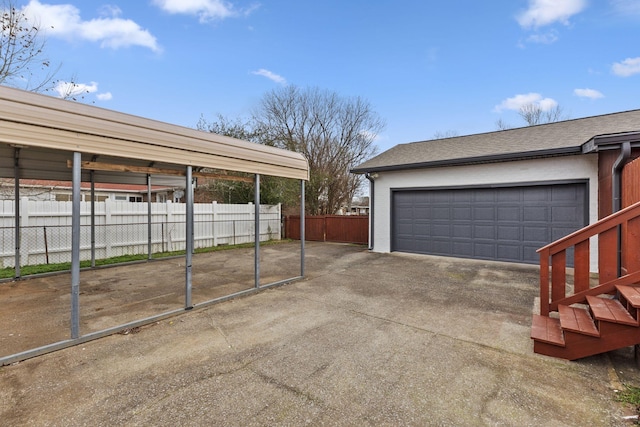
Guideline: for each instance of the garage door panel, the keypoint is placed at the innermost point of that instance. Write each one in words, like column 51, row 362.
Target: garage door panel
column 537, row 194
column 423, row 230
column 461, row 196
column 530, row 254
column 405, row 228
column 463, row 248
column 535, row 214
column 405, row 213
column 483, row 231
column 509, row 213
column 438, row 197
column 510, row 252
column 440, row 213
column 484, row 250
column 441, row 230
column 463, row 231
column 421, row 212
column 462, row 213
column 484, row 213
column 441, row 247
column 538, row 234
column 564, row 214
column 509, row 195
column 509, row 232
column 560, row 232
column 507, row 224
column 484, row 196
column 565, row 194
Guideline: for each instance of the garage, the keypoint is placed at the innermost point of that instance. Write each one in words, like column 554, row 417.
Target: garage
column 505, row 223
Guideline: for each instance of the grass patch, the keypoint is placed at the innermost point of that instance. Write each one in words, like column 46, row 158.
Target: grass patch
column 27, row 270
column 631, row 396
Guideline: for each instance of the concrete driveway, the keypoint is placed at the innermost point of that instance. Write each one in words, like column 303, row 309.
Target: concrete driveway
column 365, row 339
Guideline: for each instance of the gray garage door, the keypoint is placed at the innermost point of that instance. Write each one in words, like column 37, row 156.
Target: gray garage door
column 505, row 224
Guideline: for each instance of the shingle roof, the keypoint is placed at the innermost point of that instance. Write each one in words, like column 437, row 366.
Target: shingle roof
column 566, row 137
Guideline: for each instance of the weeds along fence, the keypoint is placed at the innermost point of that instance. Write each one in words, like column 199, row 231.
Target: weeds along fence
column 122, row 228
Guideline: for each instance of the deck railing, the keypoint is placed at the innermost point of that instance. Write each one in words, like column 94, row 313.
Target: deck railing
column 616, row 231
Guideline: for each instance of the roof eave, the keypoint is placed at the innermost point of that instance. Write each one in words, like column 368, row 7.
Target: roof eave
column 610, row 142
column 494, row 158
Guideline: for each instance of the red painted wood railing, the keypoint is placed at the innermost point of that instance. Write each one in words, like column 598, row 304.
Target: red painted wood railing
column 624, row 225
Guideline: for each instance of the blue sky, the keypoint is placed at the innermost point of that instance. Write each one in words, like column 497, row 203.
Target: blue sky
column 427, row 67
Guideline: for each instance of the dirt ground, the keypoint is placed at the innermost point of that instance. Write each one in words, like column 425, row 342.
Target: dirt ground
column 36, row 311
column 363, row 339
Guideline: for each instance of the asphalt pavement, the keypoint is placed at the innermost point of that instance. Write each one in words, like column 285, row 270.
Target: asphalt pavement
column 364, row 339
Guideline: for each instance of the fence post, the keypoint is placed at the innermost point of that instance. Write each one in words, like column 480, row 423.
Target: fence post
column 279, row 211
column 214, row 210
column 168, row 220
column 108, row 206
column 24, row 224
column 93, row 221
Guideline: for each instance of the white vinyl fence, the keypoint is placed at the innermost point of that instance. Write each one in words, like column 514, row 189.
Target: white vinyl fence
column 122, row 228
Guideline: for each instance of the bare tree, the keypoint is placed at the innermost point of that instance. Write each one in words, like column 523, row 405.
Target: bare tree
column 447, row 134
column 23, row 63
column 502, row 125
column 334, row 133
column 534, row 114
column 273, row 190
column 223, row 126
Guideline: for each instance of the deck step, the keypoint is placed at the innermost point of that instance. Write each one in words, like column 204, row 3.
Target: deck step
column 610, row 310
column 631, row 294
column 578, row 320
column 547, row 329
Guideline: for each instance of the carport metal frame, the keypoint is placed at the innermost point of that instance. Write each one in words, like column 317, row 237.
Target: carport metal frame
column 33, row 120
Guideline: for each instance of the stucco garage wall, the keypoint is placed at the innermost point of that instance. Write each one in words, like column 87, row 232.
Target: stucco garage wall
column 581, row 167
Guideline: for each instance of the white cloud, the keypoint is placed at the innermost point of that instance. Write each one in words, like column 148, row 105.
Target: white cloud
column 544, row 38
column 70, row 89
column 588, row 93
column 271, row 76
column 626, row 68
column 545, row 12
column 106, row 96
column 110, row 10
column 64, row 21
column 519, row 101
column 626, row 7
column 205, row 10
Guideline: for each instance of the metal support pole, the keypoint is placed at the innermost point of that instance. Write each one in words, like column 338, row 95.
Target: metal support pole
column 75, row 247
column 256, row 233
column 189, row 239
column 302, row 228
column 149, row 217
column 93, row 219
column 16, row 233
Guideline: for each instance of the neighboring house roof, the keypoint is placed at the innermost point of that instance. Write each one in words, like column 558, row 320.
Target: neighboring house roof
column 553, row 139
column 112, row 187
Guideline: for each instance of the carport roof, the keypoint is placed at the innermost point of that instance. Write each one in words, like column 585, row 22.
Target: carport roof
column 553, row 139
column 47, row 126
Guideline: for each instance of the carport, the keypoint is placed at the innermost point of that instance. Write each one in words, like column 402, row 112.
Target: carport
column 47, row 138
